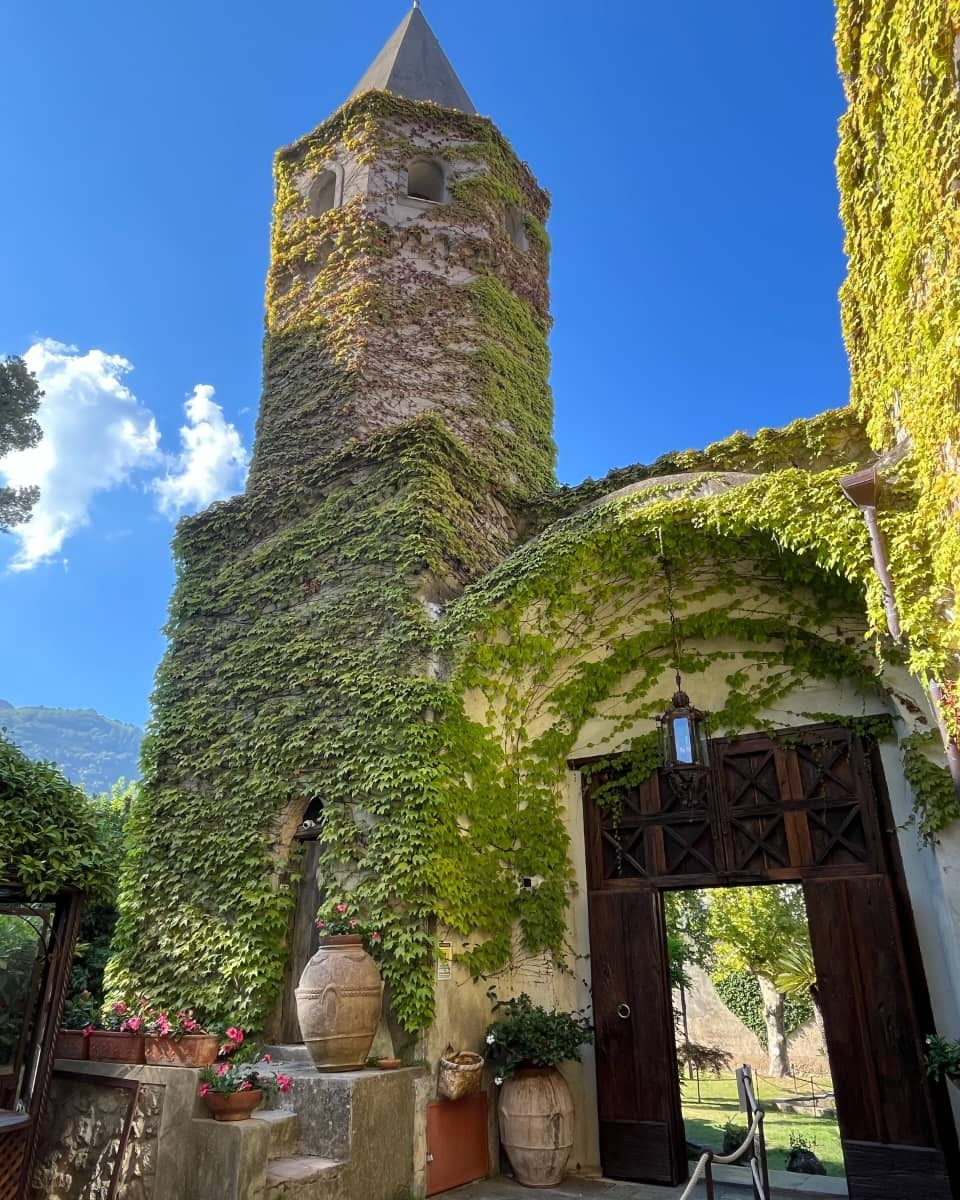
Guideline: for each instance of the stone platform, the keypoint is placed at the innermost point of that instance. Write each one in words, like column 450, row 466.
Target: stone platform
column 331, row 1137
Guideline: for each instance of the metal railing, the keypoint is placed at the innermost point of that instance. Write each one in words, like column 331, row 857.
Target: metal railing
column 753, row 1149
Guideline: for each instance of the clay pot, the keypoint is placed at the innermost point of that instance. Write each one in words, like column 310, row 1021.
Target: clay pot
column 536, row 1125
column 71, row 1044
column 389, row 1064
column 115, row 1047
column 338, row 1004
column 191, row 1050
column 232, row 1106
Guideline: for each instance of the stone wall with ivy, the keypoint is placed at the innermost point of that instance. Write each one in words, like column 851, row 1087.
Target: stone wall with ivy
column 899, row 175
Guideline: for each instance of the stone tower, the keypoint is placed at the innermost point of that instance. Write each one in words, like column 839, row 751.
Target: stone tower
column 404, row 424
column 409, row 277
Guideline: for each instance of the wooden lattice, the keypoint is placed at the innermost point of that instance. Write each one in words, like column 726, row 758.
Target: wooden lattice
column 768, row 809
column 13, row 1149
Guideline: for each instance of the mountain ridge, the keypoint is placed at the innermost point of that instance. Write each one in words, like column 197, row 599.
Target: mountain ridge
column 92, row 750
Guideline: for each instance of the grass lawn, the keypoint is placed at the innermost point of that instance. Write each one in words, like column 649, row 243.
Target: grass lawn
column 705, row 1120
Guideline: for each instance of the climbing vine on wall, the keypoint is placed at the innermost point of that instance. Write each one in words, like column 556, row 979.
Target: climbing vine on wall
column 899, row 174
column 318, row 651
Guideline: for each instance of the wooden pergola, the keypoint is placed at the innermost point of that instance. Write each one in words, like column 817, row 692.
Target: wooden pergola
column 31, row 1004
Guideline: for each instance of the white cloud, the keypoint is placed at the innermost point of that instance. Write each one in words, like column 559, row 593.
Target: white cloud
column 96, row 434
column 212, row 463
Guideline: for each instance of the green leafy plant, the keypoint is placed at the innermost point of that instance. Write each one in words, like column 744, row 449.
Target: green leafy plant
column 943, row 1056
column 527, row 1035
column 338, row 919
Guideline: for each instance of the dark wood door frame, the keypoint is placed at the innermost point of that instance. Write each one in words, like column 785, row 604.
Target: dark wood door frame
column 807, row 806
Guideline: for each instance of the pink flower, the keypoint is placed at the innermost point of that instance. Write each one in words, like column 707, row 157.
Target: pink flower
column 235, row 1035
column 223, row 1068
column 204, row 1089
column 87, row 1030
column 228, row 1048
column 119, row 1008
column 320, row 924
column 341, row 908
column 375, row 937
column 131, row 1025
column 246, row 1086
column 284, row 1083
column 190, row 1025
column 267, row 1058
column 163, row 1024
column 353, row 921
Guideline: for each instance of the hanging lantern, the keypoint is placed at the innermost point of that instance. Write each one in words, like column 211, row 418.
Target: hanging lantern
column 684, row 737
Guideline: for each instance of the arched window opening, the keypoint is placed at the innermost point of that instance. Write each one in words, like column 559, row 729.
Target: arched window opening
column 517, row 228
column 425, row 180
column 323, row 193
column 311, row 826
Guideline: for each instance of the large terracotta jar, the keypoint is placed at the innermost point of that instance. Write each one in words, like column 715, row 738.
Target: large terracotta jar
column 338, row 1004
column 536, row 1125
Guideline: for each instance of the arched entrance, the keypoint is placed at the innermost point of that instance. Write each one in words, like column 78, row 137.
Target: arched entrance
column 805, row 806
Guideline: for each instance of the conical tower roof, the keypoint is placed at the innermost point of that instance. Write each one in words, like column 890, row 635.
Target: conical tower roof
column 412, row 64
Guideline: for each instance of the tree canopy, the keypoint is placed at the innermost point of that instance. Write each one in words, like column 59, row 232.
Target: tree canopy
column 20, row 397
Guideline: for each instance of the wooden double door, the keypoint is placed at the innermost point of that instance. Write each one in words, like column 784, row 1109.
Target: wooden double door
column 808, row 807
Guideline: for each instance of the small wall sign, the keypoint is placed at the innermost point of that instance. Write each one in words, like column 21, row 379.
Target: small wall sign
column 445, row 960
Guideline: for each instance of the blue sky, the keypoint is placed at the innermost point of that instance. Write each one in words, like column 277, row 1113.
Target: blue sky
column 697, row 255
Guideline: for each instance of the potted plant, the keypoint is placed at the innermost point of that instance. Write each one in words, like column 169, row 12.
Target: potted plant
column 119, row 1035
column 79, row 1013
column 340, row 992
column 231, row 1091
column 536, row 1108
column 179, row 1040
column 943, row 1058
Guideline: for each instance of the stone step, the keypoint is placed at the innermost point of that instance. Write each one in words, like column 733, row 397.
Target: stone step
column 290, row 1052
column 302, row 1177
column 284, row 1132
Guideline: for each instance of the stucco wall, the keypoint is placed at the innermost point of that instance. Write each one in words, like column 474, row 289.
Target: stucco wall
column 933, row 875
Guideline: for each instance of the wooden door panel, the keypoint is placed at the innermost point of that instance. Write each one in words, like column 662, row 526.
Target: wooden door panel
column 641, row 1126
column 884, row 1104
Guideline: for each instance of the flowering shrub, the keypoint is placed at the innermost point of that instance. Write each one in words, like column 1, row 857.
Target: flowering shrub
column 125, row 1016
column 530, row 1036
column 336, row 920
column 228, row 1077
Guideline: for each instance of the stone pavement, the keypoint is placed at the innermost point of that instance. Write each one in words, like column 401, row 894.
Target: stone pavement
column 730, row 1183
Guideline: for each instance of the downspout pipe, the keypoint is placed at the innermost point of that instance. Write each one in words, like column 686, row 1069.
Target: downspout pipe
column 862, row 489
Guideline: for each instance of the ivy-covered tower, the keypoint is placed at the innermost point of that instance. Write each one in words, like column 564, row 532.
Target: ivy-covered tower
column 405, row 421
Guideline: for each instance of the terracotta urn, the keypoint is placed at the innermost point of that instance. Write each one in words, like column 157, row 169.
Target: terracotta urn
column 71, row 1043
column 191, row 1050
column 338, row 1004
column 536, row 1125
column 232, row 1106
column 115, row 1047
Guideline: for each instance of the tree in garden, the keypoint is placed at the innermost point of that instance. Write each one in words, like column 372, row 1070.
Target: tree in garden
column 687, row 945
column 753, row 929
column 20, row 397
column 798, row 977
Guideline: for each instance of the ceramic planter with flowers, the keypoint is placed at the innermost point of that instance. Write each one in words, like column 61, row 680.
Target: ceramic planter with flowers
column 536, row 1108
column 340, row 992
column 177, row 1039
column 120, row 1034
column 231, row 1091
